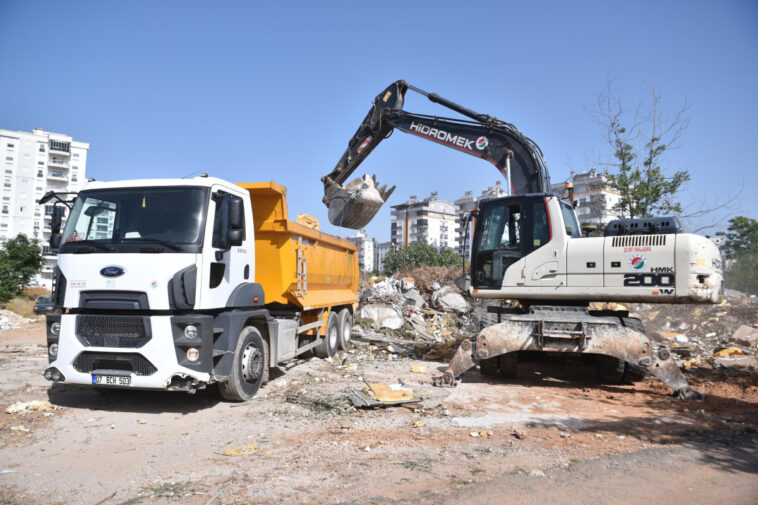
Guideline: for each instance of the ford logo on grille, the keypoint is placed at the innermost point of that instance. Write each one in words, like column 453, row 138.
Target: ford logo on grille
column 112, row 271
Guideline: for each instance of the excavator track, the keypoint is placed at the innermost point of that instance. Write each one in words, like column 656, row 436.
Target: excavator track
column 567, row 330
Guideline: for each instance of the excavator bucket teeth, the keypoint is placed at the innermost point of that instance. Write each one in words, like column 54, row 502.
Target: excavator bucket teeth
column 356, row 204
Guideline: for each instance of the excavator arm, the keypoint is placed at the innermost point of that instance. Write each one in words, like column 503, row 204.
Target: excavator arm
column 516, row 156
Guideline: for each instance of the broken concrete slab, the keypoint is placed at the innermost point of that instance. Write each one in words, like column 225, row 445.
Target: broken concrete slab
column 384, row 316
column 449, row 300
column 745, row 335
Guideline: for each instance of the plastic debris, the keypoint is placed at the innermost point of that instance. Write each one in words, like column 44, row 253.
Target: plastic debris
column 418, row 368
column 418, row 424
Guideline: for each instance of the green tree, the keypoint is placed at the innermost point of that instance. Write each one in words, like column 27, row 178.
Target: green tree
column 638, row 147
column 740, row 237
column 418, row 254
column 20, row 260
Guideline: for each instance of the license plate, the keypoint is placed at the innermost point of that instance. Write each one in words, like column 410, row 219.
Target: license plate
column 112, row 380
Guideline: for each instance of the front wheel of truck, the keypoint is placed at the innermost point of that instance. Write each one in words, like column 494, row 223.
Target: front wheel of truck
column 250, row 368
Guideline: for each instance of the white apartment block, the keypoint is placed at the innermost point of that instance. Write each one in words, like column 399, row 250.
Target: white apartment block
column 34, row 163
column 382, row 248
column 594, row 196
column 466, row 204
column 367, row 258
column 430, row 220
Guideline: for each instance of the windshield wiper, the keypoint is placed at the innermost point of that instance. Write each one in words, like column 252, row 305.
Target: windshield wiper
column 94, row 243
column 153, row 240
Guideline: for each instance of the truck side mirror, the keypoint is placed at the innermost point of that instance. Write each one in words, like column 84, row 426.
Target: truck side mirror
column 234, row 237
column 236, row 214
column 55, row 227
column 57, row 220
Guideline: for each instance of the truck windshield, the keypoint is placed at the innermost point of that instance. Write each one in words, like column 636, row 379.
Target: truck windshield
column 120, row 219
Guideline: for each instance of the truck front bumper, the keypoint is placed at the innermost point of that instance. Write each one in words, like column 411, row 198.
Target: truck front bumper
column 159, row 360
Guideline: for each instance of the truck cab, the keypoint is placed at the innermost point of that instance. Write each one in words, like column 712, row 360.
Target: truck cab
column 156, row 282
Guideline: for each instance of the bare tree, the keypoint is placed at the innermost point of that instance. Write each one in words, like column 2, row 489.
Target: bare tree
column 639, row 145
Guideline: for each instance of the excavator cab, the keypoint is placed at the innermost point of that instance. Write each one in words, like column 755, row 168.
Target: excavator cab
column 506, row 230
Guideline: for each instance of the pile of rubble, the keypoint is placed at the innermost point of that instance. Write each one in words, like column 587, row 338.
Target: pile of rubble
column 424, row 321
column 723, row 335
column 10, row 320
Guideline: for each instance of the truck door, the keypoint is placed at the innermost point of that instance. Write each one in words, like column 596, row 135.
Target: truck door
column 225, row 265
column 546, row 259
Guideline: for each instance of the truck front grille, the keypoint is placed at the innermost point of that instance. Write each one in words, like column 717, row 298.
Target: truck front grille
column 113, row 331
column 89, row 361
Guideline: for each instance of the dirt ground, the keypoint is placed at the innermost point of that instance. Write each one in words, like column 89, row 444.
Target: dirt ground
column 543, row 438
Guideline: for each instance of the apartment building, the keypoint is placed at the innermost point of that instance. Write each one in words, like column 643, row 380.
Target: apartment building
column 382, row 248
column 466, row 204
column 430, row 220
column 34, row 163
column 594, row 196
column 367, row 251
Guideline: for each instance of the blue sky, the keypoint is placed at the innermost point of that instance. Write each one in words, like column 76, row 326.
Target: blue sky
column 251, row 91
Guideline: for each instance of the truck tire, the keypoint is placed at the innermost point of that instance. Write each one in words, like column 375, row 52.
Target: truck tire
column 346, row 328
column 328, row 346
column 250, row 368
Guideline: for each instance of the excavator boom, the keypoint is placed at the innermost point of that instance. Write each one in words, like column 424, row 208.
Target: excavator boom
column 516, row 156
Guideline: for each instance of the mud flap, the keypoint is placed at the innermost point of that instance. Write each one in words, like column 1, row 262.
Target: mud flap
column 619, row 342
column 356, row 204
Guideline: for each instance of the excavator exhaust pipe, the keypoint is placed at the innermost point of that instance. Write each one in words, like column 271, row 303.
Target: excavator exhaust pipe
column 355, row 205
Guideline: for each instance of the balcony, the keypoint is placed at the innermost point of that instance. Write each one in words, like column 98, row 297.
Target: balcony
column 62, row 148
column 55, row 175
column 56, row 162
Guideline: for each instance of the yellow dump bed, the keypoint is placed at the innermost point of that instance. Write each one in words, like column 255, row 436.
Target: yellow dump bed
column 297, row 264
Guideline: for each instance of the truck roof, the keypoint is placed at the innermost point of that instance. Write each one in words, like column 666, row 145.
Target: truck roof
column 136, row 183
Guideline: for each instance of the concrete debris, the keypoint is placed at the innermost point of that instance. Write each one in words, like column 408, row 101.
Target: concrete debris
column 34, row 405
column 740, row 362
column 745, row 335
column 414, row 297
column 383, row 316
column 10, row 320
column 450, row 300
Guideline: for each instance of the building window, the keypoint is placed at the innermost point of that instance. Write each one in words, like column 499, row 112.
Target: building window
column 7, row 183
column 5, row 209
column 36, row 225
column 41, row 163
column 59, row 146
column 39, row 188
column 73, row 178
column 9, row 158
column 42, row 148
column 10, row 146
column 40, row 174
column 3, row 225
column 49, row 210
column 6, row 198
column 75, row 167
column 8, row 171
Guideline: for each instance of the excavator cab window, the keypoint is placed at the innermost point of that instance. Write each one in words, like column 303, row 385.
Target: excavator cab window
column 507, row 230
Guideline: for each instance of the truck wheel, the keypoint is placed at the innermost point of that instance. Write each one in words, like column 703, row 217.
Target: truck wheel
column 250, row 368
column 328, row 347
column 346, row 328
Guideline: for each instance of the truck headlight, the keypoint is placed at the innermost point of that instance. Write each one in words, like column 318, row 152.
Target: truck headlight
column 190, row 331
column 53, row 350
column 55, row 329
column 193, row 354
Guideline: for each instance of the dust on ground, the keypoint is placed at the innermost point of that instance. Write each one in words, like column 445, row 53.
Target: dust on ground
column 553, row 435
